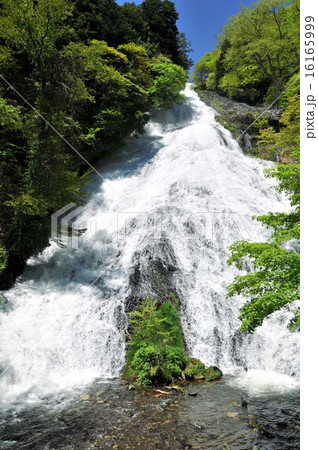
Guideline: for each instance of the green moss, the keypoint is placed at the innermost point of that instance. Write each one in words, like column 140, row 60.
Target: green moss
column 196, row 370
column 156, row 351
column 228, row 126
column 213, row 373
column 252, row 421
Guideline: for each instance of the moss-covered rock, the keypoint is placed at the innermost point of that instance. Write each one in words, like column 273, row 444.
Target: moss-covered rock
column 156, row 351
column 196, row 370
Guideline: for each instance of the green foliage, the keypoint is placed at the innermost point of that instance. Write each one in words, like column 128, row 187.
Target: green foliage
column 156, row 352
column 115, row 82
column 196, row 370
column 99, row 19
column 151, row 24
column 204, row 73
column 184, row 49
column 138, row 64
column 10, row 117
column 169, row 80
column 174, row 301
column 283, row 142
column 33, row 31
column 155, row 365
column 161, row 19
column 258, row 52
column 3, row 259
column 273, row 285
column 292, row 88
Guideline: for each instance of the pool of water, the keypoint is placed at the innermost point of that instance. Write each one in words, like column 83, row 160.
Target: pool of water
column 107, row 414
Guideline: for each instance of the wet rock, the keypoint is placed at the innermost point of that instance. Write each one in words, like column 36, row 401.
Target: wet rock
column 244, row 400
column 153, row 274
column 267, row 433
column 197, row 426
column 232, row 414
column 246, row 143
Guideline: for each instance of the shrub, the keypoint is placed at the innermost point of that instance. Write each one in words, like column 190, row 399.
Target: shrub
column 156, row 352
column 169, row 80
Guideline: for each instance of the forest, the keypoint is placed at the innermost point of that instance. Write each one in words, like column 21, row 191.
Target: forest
column 77, row 78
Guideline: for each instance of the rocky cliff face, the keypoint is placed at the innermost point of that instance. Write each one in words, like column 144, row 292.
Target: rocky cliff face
column 237, row 117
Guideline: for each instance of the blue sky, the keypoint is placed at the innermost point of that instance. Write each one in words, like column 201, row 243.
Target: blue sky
column 202, row 21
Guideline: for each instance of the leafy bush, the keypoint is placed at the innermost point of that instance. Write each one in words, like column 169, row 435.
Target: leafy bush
column 155, row 365
column 156, row 352
column 169, row 80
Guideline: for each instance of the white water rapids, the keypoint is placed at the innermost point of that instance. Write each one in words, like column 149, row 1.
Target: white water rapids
column 185, row 184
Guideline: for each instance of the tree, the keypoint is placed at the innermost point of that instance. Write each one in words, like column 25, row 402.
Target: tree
column 114, row 92
column 260, row 38
column 259, row 52
column 275, row 282
column 184, row 50
column 169, row 80
column 206, row 69
column 161, row 19
column 38, row 175
column 99, row 19
column 31, row 30
column 135, row 27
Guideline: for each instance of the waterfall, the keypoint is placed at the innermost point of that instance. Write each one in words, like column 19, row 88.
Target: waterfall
column 171, row 204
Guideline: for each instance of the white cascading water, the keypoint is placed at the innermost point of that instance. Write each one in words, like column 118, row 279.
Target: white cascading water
column 187, row 181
